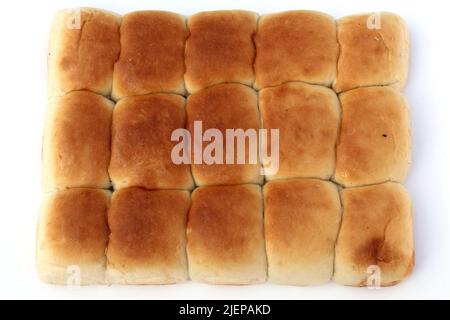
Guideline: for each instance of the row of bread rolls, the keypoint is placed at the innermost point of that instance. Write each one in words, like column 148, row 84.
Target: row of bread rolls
column 154, row 51
column 292, row 232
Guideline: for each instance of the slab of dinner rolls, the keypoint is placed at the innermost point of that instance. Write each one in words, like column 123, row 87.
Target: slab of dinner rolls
column 141, row 143
column 308, row 119
column 375, row 139
column 301, row 223
column 77, row 138
column 375, row 244
column 84, row 45
column 220, row 48
column 72, row 237
column 147, row 244
column 152, row 54
column 295, row 46
column 222, row 107
column 225, row 235
column 374, row 50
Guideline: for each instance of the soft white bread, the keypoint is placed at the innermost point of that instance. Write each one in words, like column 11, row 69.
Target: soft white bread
column 84, row 45
column 225, row 235
column 72, row 237
column 77, row 138
column 375, row 244
column 220, row 48
column 152, row 54
column 374, row 51
column 301, row 223
column 147, row 244
column 222, row 107
column 375, row 139
column 141, row 143
column 308, row 119
column 295, row 46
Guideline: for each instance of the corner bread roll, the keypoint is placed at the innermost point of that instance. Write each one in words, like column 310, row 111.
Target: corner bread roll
column 222, row 107
column 225, row 235
column 375, row 137
column 147, row 244
column 84, row 45
column 141, row 143
column 374, row 51
column 152, row 55
column 301, row 223
column 375, row 244
column 77, row 139
column 308, row 119
column 295, row 46
column 220, row 48
column 72, row 237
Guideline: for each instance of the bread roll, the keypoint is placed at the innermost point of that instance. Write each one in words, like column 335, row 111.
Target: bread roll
column 308, row 119
column 295, row 46
column 147, row 244
column 222, row 107
column 220, row 48
column 375, row 244
column 72, row 237
column 374, row 51
column 77, row 139
column 152, row 55
column 301, row 223
column 225, row 235
column 375, row 139
column 141, row 143
column 84, row 45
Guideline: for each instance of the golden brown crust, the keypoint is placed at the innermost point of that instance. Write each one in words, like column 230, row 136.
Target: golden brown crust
column 77, row 139
column 73, row 231
column 376, row 231
column 301, row 223
column 220, row 48
column 83, row 58
column 308, row 119
column 225, row 235
column 375, row 140
column 152, row 56
column 141, row 143
column 148, row 236
column 372, row 56
column 224, row 106
column 295, row 46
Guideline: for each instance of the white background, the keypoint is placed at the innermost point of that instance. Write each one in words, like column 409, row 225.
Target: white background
column 24, row 29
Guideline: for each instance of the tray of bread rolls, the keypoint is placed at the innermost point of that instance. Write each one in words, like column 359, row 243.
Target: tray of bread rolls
column 151, row 173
